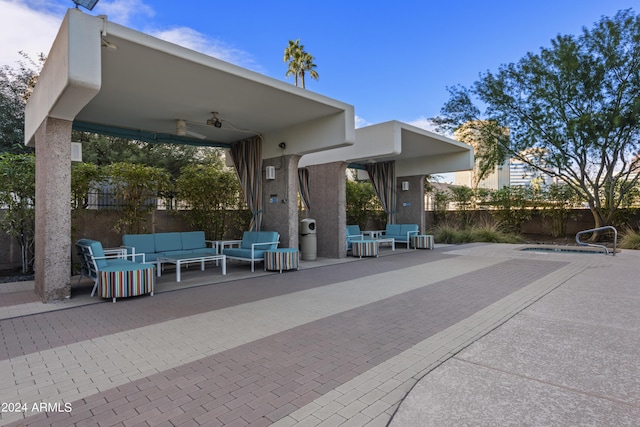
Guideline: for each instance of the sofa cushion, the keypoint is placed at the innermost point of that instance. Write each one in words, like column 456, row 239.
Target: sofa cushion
column 393, row 230
column 251, row 237
column 96, row 251
column 166, row 242
column 193, row 240
column 353, row 230
column 237, row 252
column 144, row 243
column 124, row 265
column 408, row 228
column 244, row 253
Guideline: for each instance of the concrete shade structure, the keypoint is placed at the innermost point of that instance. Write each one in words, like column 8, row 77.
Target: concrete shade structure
column 105, row 78
column 416, row 153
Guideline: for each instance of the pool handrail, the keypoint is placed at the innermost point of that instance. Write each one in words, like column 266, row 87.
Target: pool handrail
column 606, row 227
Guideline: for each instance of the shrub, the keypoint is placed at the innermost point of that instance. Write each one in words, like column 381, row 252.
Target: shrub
column 486, row 231
column 446, row 234
column 630, row 240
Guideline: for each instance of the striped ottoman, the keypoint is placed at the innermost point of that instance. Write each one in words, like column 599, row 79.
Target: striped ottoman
column 364, row 248
column 119, row 282
column 422, row 241
column 281, row 259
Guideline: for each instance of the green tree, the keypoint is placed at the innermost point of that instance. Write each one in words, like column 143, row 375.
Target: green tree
column 362, row 203
column 558, row 201
column 512, row 206
column 136, row 188
column 85, row 177
column 576, row 104
column 104, row 150
column 210, row 193
column 299, row 62
column 17, row 200
column 462, row 196
column 293, row 55
column 441, row 199
column 16, row 85
column 308, row 66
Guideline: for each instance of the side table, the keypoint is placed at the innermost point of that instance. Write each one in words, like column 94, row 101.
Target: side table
column 364, row 247
column 282, row 259
column 422, row 241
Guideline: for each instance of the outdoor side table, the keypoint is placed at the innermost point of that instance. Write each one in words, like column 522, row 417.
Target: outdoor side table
column 422, row 241
column 364, row 247
column 282, row 259
column 116, row 282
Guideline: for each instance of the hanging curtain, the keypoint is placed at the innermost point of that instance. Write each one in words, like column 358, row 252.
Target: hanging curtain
column 247, row 158
column 303, row 186
column 383, row 178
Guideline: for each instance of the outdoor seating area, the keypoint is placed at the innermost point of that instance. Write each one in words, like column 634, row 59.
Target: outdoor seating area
column 367, row 243
column 113, row 273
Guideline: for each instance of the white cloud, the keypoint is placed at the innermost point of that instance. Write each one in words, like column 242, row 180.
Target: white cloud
column 124, row 12
column 129, row 12
column 423, row 123
column 31, row 26
column 360, row 122
column 26, row 29
column 192, row 39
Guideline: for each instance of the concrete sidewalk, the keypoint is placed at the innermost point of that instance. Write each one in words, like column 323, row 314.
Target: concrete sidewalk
column 474, row 334
column 571, row 358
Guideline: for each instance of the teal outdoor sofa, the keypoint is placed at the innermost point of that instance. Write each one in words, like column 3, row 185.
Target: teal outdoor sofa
column 253, row 246
column 168, row 244
column 401, row 233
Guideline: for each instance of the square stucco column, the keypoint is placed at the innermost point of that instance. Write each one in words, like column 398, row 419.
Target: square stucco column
column 280, row 198
column 328, row 199
column 410, row 203
column 53, row 210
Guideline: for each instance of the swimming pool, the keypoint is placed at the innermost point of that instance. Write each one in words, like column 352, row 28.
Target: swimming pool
column 563, row 249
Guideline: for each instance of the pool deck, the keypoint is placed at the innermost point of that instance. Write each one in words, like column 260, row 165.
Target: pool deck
column 479, row 334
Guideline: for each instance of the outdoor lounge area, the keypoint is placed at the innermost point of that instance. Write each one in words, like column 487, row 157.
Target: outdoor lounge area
column 300, row 142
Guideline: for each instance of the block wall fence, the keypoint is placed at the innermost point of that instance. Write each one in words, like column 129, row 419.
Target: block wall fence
column 99, row 225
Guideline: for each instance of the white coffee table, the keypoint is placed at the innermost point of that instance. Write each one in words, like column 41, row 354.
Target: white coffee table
column 389, row 240
column 179, row 260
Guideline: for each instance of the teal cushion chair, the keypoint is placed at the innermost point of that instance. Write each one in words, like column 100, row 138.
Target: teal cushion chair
column 353, row 233
column 253, row 246
column 114, row 275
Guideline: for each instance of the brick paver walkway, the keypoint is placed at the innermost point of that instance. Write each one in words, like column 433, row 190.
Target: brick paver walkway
column 335, row 345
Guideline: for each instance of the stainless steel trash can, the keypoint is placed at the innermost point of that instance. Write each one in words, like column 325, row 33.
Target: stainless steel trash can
column 308, row 240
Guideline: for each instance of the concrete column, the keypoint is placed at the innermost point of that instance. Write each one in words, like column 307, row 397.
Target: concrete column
column 328, row 198
column 53, row 210
column 280, row 198
column 410, row 203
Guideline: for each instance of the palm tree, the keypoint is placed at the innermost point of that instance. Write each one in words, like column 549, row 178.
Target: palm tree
column 308, row 65
column 293, row 54
column 300, row 62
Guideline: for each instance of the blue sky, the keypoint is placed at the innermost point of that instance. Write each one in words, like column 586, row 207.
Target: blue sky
column 391, row 60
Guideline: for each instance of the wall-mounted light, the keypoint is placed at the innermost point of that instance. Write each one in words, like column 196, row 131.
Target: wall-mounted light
column 270, row 172
column 405, row 185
